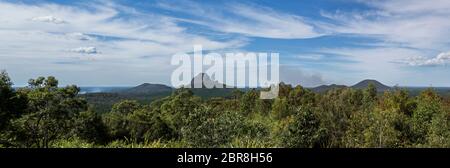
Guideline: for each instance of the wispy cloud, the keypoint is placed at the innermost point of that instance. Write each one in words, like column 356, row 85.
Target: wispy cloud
column 374, row 63
column 49, row 19
column 409, row 32
column 85, row 50
column 248, row 20
column 79, row 36
column 40, row 34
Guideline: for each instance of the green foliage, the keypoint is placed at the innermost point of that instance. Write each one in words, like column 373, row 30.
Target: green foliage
column 72, row 143
column 125, row 107
column 12, row 105
column 300, row 96
column 50, row 112
column 88, row 126
column 382, row 131
column 249, row 142
column 335, row 109
column 358, row 123
column 280, row 108
column 117, row 120
column 207, row 128
column 145, row 125
column 248, row 101
column 428, row 106
column 129, row 120
column 177, row 107
column 398, row 100
column 370, row 93
column 438, row 133
column 45, row 115
column 305, row 131
column 264, row 106
column 145, row 144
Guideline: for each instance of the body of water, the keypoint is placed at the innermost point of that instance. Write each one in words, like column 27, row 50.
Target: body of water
column 98, row 89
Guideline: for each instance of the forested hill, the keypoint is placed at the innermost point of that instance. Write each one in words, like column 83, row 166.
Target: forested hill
column 360, row 85
column 365, row 83
column 148, row 88
column 146, row 93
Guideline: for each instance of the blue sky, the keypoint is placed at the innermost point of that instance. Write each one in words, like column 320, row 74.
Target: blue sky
column 126, row 43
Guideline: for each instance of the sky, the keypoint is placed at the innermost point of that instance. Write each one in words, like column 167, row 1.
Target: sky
column 129, row 42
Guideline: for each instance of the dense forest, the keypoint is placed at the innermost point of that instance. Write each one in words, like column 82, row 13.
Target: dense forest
column 45, row 115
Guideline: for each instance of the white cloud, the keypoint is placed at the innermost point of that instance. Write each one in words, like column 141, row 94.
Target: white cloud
column 408, row 32
column 79, row 36
column 85, row 50
column 310, row 57
column 248, row 20
column 412, row 6
column 409, row 23
column 441, row 59
column 37, row 45
column 49, row 19
column 370, row 63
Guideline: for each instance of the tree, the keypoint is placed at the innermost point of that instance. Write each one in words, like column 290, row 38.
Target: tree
column 117, row 121
column 207, row 128
column 145, row 125
column 300, row 96
column 280, row 108
column 284, row 90
column 383, row 130
column 335, row 109
column 12, row 104
column 125, row 107
column 237, row 94
column 398, row 100
column 438, row 133
column 429, row 107
column 50, row 113
column 88, row 126
column 370, row 93
column 264, row 106
column 358, row 123
column 177, row 107
column 248, row 102
column 305, row 131
column 129, row 120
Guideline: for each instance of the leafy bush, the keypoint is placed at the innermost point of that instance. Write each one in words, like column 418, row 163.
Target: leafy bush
column 207, row 128
column 305, row 130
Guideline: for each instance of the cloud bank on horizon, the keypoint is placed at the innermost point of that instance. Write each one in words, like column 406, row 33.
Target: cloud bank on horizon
column 128, row 42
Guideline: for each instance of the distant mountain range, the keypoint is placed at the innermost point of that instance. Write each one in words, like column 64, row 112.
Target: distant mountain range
column 324, row 88
column 147, row 88
column 204, row 80
column 104, row 97
column 360, row 85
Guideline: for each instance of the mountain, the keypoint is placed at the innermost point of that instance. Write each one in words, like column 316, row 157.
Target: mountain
column 324, row 88
column 148, row 88
column 360, row 85
column 203, row 80
column 363, row 84
column 144, row 93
